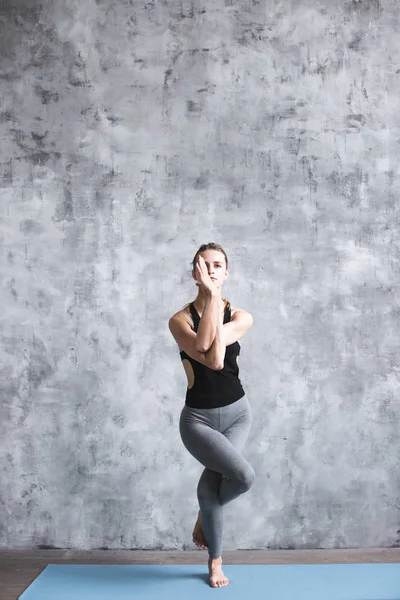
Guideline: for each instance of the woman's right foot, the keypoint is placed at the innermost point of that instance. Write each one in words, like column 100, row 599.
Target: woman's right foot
column 198, row 535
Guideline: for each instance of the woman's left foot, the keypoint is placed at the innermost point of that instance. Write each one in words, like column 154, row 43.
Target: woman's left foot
column 217, row 578
column 198, row 535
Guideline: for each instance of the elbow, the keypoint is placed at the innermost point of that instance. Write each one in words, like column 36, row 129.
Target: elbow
column 200, row 349
column 218, row 367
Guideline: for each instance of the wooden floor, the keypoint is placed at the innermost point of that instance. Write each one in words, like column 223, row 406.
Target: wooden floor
column 18, row 568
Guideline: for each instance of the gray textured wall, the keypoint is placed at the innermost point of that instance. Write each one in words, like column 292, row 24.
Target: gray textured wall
column 132, row 132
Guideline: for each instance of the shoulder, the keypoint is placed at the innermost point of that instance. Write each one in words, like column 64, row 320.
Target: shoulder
column 241, row 313
column 183, row 315
column 237, row 309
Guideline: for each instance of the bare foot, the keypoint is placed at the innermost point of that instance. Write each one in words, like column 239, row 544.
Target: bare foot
column 198, row 535
column 217, row 578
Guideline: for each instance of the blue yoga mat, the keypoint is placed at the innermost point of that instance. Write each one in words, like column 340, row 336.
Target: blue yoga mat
column 174, row 582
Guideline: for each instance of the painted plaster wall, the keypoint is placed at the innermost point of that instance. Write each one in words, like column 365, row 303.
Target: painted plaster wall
column 131, row 133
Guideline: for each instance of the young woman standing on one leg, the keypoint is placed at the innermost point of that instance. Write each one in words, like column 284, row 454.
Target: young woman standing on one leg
column 216, row 419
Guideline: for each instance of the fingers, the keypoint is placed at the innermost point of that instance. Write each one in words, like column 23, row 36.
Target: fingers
column 204, row 281
column 200, row 265
column 201, row 262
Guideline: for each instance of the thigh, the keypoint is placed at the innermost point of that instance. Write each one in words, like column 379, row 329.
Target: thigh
column 238, row 424
column 211, row 448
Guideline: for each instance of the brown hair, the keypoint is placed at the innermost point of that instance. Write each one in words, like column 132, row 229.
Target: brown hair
column 203, row 248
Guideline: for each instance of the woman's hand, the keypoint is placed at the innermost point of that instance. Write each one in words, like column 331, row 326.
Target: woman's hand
column 203, row 279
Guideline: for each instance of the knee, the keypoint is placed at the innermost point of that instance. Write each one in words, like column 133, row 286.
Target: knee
column 247, row 478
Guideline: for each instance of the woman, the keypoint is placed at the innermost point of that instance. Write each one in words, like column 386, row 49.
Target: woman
column 216, row 419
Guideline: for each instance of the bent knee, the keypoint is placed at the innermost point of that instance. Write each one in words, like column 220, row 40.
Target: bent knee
column 247, row 477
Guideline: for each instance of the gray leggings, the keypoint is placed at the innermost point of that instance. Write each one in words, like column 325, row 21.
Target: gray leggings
column 216, row 437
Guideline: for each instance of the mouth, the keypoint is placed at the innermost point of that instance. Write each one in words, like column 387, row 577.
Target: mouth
column 213, row 279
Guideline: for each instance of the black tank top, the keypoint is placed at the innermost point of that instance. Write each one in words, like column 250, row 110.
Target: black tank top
column 213, row 389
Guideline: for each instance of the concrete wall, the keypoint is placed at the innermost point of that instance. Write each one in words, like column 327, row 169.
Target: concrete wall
column 131, row 133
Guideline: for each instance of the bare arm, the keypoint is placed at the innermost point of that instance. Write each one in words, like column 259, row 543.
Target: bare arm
column 208, row 323
column 216, row 354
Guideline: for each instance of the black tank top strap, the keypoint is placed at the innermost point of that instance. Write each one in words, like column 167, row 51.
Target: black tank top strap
column 228, row 313
column 195, row 316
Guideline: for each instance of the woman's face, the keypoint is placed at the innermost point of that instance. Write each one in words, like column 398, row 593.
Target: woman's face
column 216, row 267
